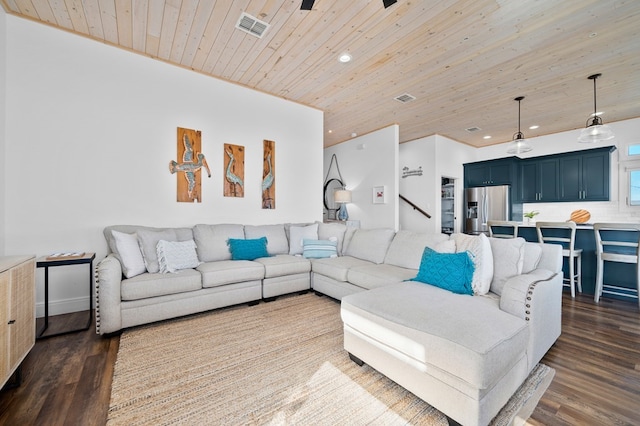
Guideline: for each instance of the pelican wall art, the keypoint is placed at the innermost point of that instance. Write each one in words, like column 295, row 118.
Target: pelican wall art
column 233, row 170
column 189, row 169
column 269, row 175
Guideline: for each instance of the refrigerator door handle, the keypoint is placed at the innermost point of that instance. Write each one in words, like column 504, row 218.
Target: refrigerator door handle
column 485, row 208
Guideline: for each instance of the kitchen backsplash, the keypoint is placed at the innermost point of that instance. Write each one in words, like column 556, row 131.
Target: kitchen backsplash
column 606, row 211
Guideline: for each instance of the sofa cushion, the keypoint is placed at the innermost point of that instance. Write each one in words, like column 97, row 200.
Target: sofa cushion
column 277, row 242
column 532, row 256
column 284, row 264
column 249, row 249
column 129, row 254
column 508, row 260
column 480, row 250
column 449, row 271
column 224, row 272
column 176, row 255
column 336, row 268
column 370, row 244
column 300, row 233
column 152, row 285
column 373, row 275
column 440, row 332
column 319, row 249
column 327, row 231
column 211, row 240
column 407, row 247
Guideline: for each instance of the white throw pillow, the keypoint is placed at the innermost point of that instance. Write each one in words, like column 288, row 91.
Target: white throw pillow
column 479, row 250
column 129, row 254
column 300, row 233
column 176, row 255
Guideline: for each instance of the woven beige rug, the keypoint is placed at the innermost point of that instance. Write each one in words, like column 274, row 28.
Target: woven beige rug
column 278, row 363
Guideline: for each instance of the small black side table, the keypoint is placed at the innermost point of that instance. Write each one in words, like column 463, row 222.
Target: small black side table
column 46, row 263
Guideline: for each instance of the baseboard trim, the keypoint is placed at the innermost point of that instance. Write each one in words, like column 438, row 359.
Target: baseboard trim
column 65, row 306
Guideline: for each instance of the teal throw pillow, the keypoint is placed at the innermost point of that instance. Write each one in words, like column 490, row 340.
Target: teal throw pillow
column 450, row 271
column 247, row 249
column 318, row 249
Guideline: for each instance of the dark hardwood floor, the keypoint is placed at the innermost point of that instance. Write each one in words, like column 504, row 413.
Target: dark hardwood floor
column 67, row 379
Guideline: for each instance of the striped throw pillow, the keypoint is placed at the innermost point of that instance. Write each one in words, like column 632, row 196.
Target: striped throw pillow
column 319, row 249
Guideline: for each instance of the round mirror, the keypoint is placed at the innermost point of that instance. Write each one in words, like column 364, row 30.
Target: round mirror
column 329, row 204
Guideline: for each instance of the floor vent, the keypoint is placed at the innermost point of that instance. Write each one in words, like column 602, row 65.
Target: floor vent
column 252, row 25
column 405, row 98
column 473, row 129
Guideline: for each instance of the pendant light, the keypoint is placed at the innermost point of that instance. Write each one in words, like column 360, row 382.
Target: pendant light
column 596, row 131
column 519, row 144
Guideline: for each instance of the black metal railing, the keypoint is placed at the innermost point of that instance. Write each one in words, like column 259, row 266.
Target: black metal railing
column 402, row 197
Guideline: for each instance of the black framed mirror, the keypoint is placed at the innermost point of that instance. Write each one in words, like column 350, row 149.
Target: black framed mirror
column 329, row 204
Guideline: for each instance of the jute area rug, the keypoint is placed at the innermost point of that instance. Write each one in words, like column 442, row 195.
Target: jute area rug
column 278, row 363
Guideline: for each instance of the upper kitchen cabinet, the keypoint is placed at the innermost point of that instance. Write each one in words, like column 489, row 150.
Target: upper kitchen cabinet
column 539, row 180
column 571, row 176
column 491, row 172
column 584, row 175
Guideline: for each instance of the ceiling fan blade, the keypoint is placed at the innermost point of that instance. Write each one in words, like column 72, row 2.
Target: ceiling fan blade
column 307, row 4
column 388, row 3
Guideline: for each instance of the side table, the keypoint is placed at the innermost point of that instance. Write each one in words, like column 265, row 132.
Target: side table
column 47, row 263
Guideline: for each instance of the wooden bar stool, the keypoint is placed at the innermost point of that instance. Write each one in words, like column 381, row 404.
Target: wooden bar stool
column 503, row 229
column 616, row 242
column 564, row 233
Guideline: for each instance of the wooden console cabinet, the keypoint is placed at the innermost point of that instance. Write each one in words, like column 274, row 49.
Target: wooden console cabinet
column 17, row 312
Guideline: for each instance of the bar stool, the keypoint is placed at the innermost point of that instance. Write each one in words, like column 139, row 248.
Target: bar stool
column 504, row 229
column 616, row 242
column 564, row 233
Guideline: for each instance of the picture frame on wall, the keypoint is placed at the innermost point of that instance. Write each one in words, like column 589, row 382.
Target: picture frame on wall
column 379, row 194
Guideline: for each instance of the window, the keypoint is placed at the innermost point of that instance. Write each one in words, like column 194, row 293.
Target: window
column 634, row 187
column 630, row 175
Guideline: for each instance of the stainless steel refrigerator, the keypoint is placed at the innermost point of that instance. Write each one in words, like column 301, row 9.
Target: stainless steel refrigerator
column 483, row 204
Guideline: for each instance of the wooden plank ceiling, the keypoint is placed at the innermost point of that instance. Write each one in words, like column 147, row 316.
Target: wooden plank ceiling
column 464, row 61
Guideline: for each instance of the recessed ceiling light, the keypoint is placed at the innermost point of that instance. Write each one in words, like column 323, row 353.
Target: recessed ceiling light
column 486, row 137
column 344, row 58
column 535, row 126
column 330, row 131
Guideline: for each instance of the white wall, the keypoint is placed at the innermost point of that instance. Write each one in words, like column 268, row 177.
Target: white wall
column 367, row 161
column 90, row 133
column 439, row 157
column 626, row 132
column 3, row 97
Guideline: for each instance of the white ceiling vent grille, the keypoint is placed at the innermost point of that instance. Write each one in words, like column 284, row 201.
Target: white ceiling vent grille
column 473, row 129
column 405, row 98
column 252, row 25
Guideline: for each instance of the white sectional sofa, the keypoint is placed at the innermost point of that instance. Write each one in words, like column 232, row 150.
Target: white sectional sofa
column 464, row 354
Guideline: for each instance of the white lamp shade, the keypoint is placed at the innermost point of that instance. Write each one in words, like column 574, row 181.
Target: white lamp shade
column 519, row 146
column 596, row 133
column 342, row 196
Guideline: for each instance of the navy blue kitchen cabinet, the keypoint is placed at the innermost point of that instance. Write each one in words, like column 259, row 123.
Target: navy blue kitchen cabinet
column 539, row 180
column 585, row 176
column 489, row 173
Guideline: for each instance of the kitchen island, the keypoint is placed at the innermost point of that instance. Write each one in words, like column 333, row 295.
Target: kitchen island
column 619, row 274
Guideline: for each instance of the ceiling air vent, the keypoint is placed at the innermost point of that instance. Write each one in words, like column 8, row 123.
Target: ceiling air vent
column 473, row 129
column 252, row 25
column 405, row 98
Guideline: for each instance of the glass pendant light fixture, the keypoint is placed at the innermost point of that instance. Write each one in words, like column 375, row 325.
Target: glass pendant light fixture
column 595, row 130
column 519, row 144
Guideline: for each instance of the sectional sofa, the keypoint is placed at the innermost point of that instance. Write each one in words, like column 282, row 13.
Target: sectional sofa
column 465, row 354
